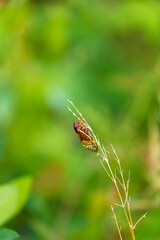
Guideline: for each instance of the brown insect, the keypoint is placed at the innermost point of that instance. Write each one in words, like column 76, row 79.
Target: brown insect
column 85, row 137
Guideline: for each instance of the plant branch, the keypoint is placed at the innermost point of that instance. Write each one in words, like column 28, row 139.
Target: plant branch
column 103, row 153
column 118, row 228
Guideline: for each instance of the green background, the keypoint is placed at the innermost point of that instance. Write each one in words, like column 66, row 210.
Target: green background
column 105, row 57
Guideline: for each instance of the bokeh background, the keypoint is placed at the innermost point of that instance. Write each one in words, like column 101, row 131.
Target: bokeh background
column 105, row 57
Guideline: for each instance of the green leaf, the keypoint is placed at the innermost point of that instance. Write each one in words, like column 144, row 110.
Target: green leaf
column 8, row 202
column 23, row 185
column 12, row 197
column 7, row 234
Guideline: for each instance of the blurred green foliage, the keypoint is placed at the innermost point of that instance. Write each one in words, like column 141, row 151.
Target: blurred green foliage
column 7, row 234
column 104, row 56
column 13, row 196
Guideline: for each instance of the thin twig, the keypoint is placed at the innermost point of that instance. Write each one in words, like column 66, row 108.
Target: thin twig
column 119, row 205
column 104, row 158
column 118, row 180
column 125, row 188
column 118, row 228
column 106, row 170
column 140, row 220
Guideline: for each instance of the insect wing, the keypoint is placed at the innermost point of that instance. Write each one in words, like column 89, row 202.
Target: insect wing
column 90, row 145
column 87, row 142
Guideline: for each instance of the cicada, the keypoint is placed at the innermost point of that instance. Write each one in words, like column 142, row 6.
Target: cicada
column 85, row 136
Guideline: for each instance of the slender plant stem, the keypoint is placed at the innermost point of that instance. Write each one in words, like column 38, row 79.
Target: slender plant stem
column 140, row 220
column 118, row 228
column 126, row 215
column 104, row 158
